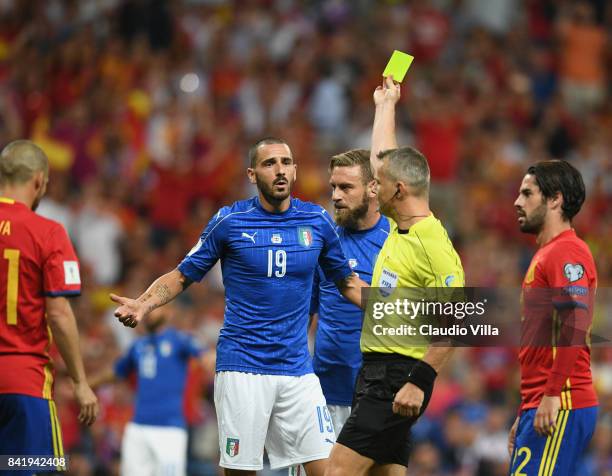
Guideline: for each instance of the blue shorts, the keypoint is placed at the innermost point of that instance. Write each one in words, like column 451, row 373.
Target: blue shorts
column 555, row 455
column 29, row 426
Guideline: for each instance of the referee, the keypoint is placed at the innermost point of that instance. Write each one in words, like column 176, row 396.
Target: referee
column 396, row 381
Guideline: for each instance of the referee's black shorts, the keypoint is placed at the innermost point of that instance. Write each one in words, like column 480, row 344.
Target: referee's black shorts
column 372, row 429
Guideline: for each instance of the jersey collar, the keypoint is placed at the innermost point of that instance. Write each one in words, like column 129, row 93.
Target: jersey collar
column 563, row 234
column 11, row 201
column 279, row 214
column 419, row 224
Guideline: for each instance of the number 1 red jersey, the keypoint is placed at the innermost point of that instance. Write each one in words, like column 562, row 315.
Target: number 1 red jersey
column 37, row 261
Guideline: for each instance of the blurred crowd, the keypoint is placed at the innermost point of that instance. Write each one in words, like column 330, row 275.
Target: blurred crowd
column 146, row 109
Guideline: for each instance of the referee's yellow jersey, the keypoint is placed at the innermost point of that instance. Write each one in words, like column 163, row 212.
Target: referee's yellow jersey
column 420, row 257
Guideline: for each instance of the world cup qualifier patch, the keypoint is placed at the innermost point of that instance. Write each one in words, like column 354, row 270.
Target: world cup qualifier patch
column 573, row 272
column 305, row 236
column 232, row 446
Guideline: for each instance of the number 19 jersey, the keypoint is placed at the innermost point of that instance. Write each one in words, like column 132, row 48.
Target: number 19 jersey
column 268, row 262
column 36, row 261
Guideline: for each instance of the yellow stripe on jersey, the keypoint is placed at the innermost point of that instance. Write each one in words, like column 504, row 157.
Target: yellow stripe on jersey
column 568, row 396
column 563, row 401
column 423, row 257
column 48, row 368
column 6, row 200
column 554, row 334
column 48, row 384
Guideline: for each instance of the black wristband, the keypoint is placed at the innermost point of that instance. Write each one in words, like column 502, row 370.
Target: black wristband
column 422, row 375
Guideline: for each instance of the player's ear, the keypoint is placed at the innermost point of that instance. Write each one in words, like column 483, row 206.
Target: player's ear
column 556, row 201
column 372, row 189
column 251, row 175
column 401, row 190
column 39, row 180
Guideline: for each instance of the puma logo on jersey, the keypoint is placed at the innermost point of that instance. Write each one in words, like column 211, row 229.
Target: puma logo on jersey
column 250, row 237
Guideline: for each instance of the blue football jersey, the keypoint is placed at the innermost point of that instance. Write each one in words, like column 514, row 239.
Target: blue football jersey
column 160, row 361
column 268, row 261
column 337, row 356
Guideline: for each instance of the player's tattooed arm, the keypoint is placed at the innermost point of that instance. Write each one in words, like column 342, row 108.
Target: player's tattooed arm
column 163, row 290
column 350, row 287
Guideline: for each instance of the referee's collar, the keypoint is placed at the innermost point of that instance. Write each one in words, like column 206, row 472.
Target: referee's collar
column 405, row 231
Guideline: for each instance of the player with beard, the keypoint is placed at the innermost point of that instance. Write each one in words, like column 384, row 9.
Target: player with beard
column 38, row 272
column 558, row 403
column 266, row 394
column 362, row 231
column 396, row 380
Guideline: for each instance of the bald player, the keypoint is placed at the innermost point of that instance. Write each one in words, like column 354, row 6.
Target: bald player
column 39, row 271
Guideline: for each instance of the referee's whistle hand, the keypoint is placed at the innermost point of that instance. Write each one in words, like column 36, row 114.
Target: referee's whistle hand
column 408, row 401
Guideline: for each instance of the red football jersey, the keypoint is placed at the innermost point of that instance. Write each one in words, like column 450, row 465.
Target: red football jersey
column 558, row 299
column 37, row 261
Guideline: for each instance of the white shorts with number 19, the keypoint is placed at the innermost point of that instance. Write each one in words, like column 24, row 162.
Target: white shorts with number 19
column 286, row 415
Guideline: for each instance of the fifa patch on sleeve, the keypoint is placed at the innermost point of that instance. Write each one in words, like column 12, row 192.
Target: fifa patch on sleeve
column 71, row 273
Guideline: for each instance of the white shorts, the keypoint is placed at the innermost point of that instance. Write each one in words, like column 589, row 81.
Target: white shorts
column 339, row 414
column 285, row 415
column 149, row 450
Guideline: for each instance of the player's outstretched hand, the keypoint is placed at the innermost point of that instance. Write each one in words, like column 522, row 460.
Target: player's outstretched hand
column 512, row 437
column 545, row 420
column 389, row 92
column 408, row 400
column 88, row 403
column 129, row 312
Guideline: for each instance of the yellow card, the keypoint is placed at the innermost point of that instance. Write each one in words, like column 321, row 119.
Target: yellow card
column 398, row 65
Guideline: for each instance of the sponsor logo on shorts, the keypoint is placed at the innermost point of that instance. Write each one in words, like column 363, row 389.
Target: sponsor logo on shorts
column 232, row 446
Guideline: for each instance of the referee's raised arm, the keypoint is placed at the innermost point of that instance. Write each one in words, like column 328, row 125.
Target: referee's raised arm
column 383, row 130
